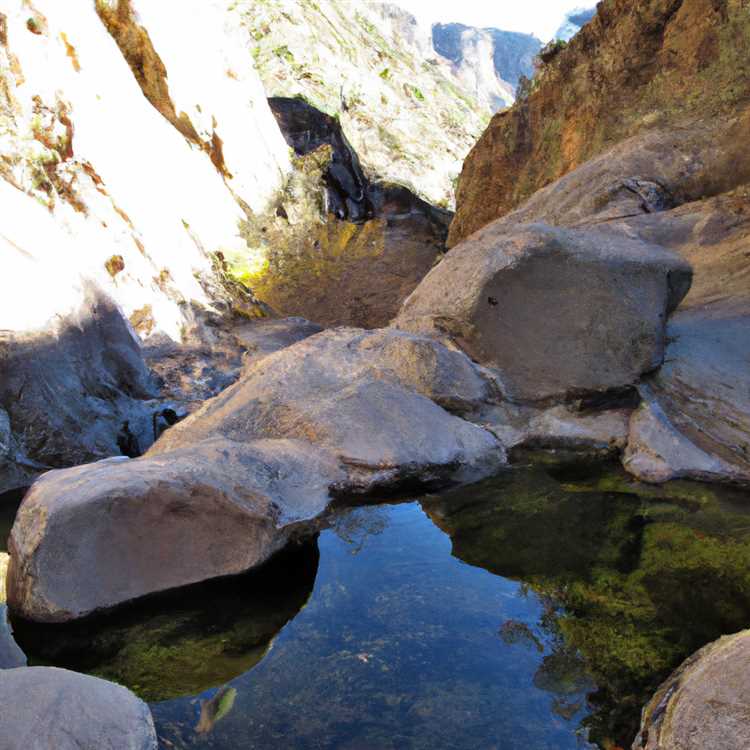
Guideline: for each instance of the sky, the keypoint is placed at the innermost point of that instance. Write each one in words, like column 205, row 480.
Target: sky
column 539, row 17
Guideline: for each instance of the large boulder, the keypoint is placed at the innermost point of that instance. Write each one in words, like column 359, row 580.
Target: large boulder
column 705, row 703
column 45, row 708
column 95, row 536
column 343, row 411
column 372, row 398
column 556, row 311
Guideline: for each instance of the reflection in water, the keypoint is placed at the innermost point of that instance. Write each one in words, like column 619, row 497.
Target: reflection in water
column 185, row 642
column 635, row 577
column 534, row 611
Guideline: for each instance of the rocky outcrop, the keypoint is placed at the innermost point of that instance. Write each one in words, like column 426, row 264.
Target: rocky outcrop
column 129, row 528
column 378, row 400
column 345, row 411
column 555, row 312
column 488, row 62
column 704, row 703
column 44, row 707
column 337, row 248
column 661, row 68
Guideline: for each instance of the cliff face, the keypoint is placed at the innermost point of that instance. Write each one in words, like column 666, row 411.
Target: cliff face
column 127, row 162
column 511, row 54
column 636, row 69
column 371, row 66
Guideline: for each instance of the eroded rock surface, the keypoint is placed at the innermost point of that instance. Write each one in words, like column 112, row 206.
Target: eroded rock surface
column 337, row 247
column 666, row 69
column 705, row 703
column 45, row 707
column 555, row 312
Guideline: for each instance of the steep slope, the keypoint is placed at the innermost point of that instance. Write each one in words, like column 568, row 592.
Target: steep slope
column 658, row 66
column 373, row 67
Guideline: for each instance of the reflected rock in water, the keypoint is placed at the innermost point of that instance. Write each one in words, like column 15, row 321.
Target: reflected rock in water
column 187, row 641
column 634, row 577
column 214, row 709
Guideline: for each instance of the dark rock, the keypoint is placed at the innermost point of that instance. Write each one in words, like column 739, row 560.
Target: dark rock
column 67, row 393
column 306, row 129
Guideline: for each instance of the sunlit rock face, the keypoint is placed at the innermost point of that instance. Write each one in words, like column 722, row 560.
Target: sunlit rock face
column 684, row 72
column 131, row 197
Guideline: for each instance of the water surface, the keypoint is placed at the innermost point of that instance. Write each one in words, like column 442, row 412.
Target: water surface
column 536, row 611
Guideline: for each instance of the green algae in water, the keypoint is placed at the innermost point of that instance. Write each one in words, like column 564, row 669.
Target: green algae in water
column 535, row 611
column 187, row 641
column 638, row 576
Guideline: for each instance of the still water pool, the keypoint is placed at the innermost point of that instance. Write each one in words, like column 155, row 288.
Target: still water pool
column 534, row 611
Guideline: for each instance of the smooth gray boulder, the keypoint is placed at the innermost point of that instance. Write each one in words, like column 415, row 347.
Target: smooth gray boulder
column 373, row 398
column 345, row 411
column 45, row 708
column 95, row 536
column 557, row 312
column 705, row 703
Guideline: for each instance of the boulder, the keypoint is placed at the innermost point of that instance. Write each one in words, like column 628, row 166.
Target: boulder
column 74, row 392
column 705, row 703
column 596, row 432
column 372, row 398
column 343, row 411
column 556, row 312
column 45, row 708
column 95, row 536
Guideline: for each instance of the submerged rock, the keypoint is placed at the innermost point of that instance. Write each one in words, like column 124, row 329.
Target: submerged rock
column 95, row 536
column 45, row 707
column 704, row 703
column 556, row 312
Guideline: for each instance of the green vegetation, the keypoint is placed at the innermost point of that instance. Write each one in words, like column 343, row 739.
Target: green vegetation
column 637, row 577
